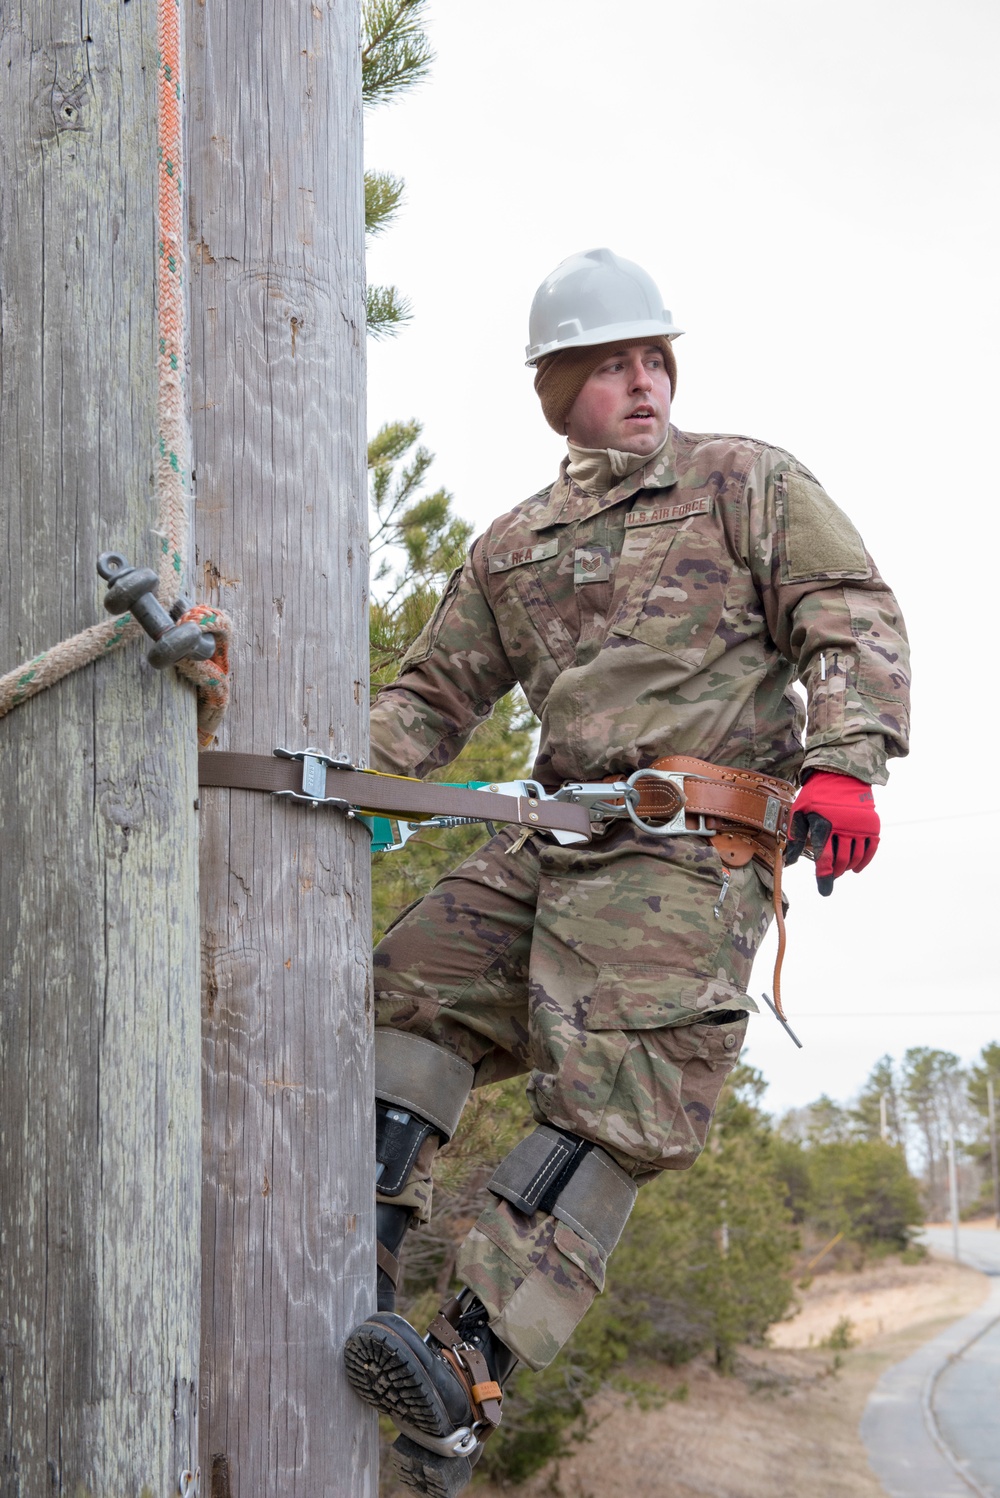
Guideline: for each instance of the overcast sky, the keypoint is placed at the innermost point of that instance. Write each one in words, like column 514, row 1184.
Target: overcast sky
column 814, row 187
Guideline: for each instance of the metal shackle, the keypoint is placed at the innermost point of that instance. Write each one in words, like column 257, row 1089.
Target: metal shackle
column 133, row 590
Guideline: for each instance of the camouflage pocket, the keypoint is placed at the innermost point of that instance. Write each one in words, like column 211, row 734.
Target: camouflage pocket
column 815, row 538
column 655, row 1099
column 528, row 614
column 648, row 996
column 423, row 645
column 678, row 591
column 535, row 1276
column 883, row 671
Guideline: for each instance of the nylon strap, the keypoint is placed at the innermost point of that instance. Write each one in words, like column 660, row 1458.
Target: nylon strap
column 390, row 795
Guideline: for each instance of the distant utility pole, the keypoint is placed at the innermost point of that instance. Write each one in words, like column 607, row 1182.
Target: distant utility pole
column 99, row 1014
column 953, row 1194
column 883, row 1113
column 278, row 333
column 991, row 1101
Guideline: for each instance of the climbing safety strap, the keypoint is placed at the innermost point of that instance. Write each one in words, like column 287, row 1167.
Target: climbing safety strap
column 305, row 776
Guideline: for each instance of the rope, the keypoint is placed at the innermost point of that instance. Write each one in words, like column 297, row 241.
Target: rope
column 174, row 437
column 174, row 456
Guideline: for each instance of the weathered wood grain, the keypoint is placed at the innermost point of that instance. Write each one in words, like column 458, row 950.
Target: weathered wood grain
column 278, row 355
column 99, row 1024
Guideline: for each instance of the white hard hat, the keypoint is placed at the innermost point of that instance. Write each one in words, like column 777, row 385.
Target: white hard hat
column 594, row 298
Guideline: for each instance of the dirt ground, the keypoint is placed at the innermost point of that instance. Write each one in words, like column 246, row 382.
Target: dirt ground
column 786, row 1424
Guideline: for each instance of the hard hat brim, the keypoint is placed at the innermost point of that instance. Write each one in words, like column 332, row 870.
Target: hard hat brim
column 611, row 333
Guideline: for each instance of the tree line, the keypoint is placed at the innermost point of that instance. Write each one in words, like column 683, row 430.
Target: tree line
column 918, row 1104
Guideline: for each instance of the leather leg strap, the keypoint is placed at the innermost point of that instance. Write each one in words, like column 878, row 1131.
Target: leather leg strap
column 485, row 1394
column 388, row 1263
column 779, row 918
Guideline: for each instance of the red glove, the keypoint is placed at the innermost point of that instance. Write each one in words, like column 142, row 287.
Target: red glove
column 836, row 815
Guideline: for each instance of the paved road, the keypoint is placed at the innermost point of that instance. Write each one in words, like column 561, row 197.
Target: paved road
column 932, row 1424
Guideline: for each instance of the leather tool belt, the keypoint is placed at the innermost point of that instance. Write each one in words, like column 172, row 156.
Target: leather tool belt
column 744, row 814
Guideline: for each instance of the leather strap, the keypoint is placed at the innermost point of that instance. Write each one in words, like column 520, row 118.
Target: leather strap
column 389, row 795
column 485, row 1394
column 722, row 794
column 387, row 1262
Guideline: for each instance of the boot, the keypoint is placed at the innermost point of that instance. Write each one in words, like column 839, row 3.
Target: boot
column 443, row 1391
column 391, row 1224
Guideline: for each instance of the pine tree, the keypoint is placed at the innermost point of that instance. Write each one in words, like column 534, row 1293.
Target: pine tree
column 866, row 1114
column 934, row 1095
column 983, row 1070
column 417, row 541
column 395, row 57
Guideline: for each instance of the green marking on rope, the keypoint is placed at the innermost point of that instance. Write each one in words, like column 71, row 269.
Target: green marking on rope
column 174, row 463
column 173, row 361
column 121, row 624
column 30, row 671
column 172, row 263
column 167, row 71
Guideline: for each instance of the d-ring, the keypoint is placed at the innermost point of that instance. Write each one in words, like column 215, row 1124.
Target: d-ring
column 678, row 822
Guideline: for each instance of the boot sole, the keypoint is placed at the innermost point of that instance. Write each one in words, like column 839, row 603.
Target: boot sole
column 386, row 1373
column 424, row 1472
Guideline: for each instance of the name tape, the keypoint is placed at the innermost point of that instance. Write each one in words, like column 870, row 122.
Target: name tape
column 502, row 561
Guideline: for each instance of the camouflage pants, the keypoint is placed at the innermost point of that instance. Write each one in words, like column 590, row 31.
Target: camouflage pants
column 589, row 969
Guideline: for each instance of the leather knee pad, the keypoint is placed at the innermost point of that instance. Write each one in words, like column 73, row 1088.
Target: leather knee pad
column 420, row 1089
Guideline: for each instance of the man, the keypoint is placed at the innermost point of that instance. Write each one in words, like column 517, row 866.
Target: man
column 658, row 600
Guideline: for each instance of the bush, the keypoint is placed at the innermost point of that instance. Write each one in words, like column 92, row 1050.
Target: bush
column 864, row 1190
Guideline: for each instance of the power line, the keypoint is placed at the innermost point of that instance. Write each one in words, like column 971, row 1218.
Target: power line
column 956, row 816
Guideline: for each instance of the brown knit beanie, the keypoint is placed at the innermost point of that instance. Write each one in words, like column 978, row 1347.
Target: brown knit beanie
column 560, row 377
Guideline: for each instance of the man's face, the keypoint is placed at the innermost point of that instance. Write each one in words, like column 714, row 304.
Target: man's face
column 625, row 403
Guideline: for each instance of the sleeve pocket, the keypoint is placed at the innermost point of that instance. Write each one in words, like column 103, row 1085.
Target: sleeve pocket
column 424, row 644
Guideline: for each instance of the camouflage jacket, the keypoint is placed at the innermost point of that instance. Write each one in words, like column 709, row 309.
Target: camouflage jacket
column 670, row 615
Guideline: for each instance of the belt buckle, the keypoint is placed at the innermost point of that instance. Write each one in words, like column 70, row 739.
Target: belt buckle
column 314, row 767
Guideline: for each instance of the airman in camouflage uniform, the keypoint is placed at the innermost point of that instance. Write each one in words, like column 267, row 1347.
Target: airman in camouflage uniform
column 667, row 610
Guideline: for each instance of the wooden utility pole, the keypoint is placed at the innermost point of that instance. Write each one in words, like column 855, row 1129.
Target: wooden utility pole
column 278, row 394
column 99, row 1014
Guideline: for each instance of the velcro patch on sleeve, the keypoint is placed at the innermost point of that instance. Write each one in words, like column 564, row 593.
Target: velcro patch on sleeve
column 817, row 539
column 502, row 561
column 679, row 509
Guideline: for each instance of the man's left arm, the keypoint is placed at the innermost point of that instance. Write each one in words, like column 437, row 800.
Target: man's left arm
column 831, row 614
